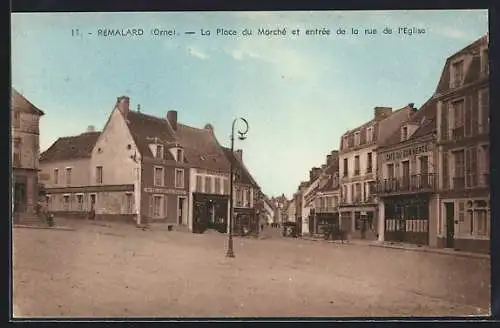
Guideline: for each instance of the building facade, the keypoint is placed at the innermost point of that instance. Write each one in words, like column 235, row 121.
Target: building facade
column 407, row 181
column 463, row 127
column 357, row 169
column 25, row 145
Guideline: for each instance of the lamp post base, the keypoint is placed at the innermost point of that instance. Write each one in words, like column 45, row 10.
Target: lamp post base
column 230, row 252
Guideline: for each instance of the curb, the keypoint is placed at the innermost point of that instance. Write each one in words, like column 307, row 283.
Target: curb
column 41, row 227
column 423, row 250
column 435, row 251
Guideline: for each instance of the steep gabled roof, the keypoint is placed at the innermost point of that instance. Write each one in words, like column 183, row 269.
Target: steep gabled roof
column 74, row 147
column 425, row 118
column 144, row 128
column 244, row 175
column 18, row 102
column 201, row 148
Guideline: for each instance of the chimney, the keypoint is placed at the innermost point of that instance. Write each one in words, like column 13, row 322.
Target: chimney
column 239, row 154
column 314, row 173
column 90, row 128
column 382, row 112
column 172, row 119
column 123, row 104
column 328, row 159
column 209, row 127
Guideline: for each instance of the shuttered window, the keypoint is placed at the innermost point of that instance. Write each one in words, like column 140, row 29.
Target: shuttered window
column 484, row 107
column 444, row 121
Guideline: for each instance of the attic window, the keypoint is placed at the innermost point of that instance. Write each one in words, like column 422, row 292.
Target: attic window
column 129, row 146
column 159, row 151
column 99, row 150
column 180, row 155
column 404, row 133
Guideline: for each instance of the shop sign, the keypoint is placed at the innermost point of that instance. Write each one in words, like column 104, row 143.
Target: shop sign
column 165, row 191
column 407, row 152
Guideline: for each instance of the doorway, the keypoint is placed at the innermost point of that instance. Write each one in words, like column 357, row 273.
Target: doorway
column 92, row 201
column 20, row 197
column 450, row 224
column 406, row 175
column 181, row 206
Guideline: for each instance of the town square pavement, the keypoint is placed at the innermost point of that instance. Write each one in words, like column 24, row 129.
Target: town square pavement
column 117, row 270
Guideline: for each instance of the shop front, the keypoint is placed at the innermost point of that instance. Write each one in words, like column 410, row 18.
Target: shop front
column 407, row 219
column 246, row 222
column 210, row 212
column 325, row 219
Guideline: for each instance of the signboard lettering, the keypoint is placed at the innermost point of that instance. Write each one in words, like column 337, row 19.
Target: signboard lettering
column 165, row 191
column 407, row 152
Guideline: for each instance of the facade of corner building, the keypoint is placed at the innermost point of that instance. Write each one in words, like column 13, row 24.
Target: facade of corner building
column 327, row 196
column 308, row 196
column 144, row 169
column 463, row 125
column 291, row 209
column 357, row 168
column 25, row 143
column 407, row 181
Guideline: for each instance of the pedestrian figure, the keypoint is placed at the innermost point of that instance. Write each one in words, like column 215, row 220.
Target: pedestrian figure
column 92, row 213
column 261, row 227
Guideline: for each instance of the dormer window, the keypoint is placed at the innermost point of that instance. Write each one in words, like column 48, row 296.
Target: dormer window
column 180, row 155
column 159, row 151
column 484, row 61
column 404, row 133
column 356, row 139
column 369, row 135
column 345, row 143
column 457, row 73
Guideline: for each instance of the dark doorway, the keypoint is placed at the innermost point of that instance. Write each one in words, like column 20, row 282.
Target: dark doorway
column 450, row 224
column 180, row 210
column 20, row 197
column 406, row 175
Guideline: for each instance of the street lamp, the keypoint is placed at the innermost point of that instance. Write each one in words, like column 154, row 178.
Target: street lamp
column 241, row 136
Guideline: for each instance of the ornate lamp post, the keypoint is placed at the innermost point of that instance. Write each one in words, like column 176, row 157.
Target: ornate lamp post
column 241, row 136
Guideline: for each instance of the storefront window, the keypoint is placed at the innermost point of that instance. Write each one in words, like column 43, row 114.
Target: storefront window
column 481, row 222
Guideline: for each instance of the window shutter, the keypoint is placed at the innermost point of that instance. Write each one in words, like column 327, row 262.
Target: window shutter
column 468, row 116
column 467, row 167
column 165, row 206
column 446, row 181
column 444, row 121
column 473, row 163
column 475, row 114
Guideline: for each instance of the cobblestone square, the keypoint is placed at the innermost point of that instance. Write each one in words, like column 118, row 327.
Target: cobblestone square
column 117, row 270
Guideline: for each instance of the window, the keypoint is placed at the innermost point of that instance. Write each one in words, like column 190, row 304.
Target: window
column 485, row 64
column 369, row 135
column 199, row 181
column 485, row 164
column 404, row 133
column 369, row 163
column 471, row 165
column 68, row 176
column 208, row 184
column 461, row 212
column 458, row 73
column 66, row 202
column 245, row 197
column 179, row 178
column 356, row 165
column 79, row 202
column 56, row 176
column 157, row 206
column 98, row 174
column 225, row 189
column 345, row 167
column 459, row 176
column 317, row 202
column 345, row 143
column 16, row 158
column 180, row 158
column 159, row 151
column 390, row 171
column 17, row 119
column 159, row 176
column 481, row 223
column 446, row 175
column 484, row 107
column 357, row 139
column 217, row 185
column 458, row 116
column 358, row 192
column 129, row 203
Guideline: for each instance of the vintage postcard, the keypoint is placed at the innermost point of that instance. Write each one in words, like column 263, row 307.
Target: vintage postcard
column 250, row 164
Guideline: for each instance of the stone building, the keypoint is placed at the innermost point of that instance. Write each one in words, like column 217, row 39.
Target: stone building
column 357, row 169
column 25, row 145
column 407, row 181
column 463, row 128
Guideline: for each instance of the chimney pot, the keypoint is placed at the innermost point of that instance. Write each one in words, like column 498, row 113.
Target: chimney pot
column 90, row 128
column 209, row 126
column 123, row 104
column 172, row 119
column 382, row 112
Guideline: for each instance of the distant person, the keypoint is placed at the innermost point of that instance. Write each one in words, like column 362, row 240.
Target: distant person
column 92, row 212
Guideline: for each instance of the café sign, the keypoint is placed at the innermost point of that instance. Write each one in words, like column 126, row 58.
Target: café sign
column 165, row 191
column 407, row 152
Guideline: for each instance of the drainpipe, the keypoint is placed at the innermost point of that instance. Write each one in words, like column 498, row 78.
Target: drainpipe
column 137, row 190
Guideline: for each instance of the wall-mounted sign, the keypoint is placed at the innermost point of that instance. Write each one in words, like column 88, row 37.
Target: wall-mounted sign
column 165, row 191
column 407, row 152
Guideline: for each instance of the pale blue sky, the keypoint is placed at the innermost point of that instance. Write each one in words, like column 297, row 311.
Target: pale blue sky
column 299, row 94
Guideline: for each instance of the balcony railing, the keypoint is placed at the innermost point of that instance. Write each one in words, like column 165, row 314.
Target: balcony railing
column 412, row 183
column 458, row 182
column 458, row 133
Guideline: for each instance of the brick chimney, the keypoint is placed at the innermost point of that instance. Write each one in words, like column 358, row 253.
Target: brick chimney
column 314, row 173
column 172, row 119
column 239, row 154
column 123, row 105
column 382, row 112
